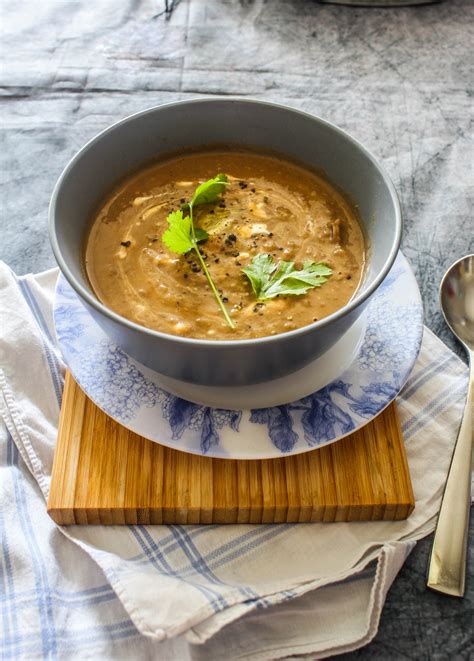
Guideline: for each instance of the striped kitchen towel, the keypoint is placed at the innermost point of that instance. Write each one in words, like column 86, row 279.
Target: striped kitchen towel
column 190, row 592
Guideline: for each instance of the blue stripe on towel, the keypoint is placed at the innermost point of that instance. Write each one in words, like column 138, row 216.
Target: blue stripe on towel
column 199, row 564
column 47, row 641
column 434, row 408
column 424, row 375
column 158, row 560
column 48, row 634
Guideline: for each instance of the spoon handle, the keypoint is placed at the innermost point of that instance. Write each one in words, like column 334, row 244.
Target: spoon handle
column 447, row 568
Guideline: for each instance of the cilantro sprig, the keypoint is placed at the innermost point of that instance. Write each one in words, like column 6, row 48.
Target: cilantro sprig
column 269, row 278
column 182, row 236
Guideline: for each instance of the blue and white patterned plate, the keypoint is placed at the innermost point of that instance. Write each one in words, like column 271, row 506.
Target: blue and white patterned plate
column 130, row 393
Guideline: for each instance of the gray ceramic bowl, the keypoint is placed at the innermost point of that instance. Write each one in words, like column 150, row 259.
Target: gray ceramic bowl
column 152, row 133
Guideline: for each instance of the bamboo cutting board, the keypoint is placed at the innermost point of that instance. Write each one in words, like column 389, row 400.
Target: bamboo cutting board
column 105, row 474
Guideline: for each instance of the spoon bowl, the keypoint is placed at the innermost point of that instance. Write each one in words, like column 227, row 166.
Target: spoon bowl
column 457, row 300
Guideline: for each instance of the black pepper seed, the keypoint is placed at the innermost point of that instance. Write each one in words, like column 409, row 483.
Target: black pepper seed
column 182, row 200
column 270, row 235
column 348, row 277
column 216, row 260
column 238, row 263
column 125, row 244
column 235, row 253
column 225, row 299
column 242, row 185
column 253, row 190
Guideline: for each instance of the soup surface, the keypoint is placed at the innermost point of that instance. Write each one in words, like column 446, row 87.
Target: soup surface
column 269, row 206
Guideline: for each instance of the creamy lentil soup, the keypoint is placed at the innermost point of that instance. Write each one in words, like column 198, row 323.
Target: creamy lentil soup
column 270, row 205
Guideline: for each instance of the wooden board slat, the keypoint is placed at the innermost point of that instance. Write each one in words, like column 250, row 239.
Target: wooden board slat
column 106, row 474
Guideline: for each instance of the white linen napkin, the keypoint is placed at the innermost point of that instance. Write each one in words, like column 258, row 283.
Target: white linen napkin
column 236, row 591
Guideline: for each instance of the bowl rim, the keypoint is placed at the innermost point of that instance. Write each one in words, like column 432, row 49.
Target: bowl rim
column 351, row 305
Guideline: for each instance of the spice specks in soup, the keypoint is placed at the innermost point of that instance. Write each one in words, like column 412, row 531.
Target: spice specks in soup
column 267, row 247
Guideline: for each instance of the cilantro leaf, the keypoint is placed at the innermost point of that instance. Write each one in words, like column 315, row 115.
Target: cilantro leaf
column 200, row 234
column 209, row 191
column 270, row 279
column 179, row 236
column 259, row 272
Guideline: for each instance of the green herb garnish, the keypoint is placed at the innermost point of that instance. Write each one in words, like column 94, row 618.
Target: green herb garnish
column 269, row 278
column 181, row 235
column 209, row 191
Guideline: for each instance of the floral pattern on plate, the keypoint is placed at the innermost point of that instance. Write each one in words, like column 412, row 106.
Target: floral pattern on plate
column 130, row 393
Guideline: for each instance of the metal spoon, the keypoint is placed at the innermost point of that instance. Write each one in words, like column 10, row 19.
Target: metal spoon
column 447, row 568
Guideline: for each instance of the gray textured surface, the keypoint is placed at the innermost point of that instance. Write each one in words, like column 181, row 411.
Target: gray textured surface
column 400, row 80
